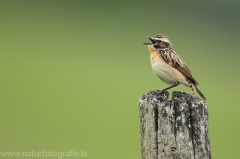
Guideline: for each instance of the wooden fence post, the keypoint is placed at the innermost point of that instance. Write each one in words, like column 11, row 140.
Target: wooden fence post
column 173, row 129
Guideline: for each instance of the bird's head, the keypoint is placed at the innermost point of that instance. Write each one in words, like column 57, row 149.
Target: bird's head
column 159, row 41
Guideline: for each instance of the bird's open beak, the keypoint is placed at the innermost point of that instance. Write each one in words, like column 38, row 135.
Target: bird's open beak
column 149, row 39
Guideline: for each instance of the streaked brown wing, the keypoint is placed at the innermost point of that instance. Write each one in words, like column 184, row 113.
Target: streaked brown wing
column 175, row 61
column 186, row 72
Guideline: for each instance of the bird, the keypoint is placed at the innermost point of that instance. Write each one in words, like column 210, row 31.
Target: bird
column 168, row 66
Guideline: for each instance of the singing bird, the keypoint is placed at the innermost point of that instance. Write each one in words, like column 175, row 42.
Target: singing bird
column 168, row 66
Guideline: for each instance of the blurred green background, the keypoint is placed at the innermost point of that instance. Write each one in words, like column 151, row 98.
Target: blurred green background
column 72, row 72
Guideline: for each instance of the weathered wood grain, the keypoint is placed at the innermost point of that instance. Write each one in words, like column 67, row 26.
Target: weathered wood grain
column 173, row 129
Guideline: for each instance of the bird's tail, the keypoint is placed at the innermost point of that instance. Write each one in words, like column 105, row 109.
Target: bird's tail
column 199, row 92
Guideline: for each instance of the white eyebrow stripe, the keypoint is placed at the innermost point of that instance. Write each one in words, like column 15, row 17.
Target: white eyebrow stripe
column 162, row 39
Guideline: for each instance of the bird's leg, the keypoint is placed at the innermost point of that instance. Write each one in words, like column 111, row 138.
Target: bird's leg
column 162, row 98
column 176, row 84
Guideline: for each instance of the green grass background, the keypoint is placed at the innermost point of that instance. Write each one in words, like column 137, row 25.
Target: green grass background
column 72, row 72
